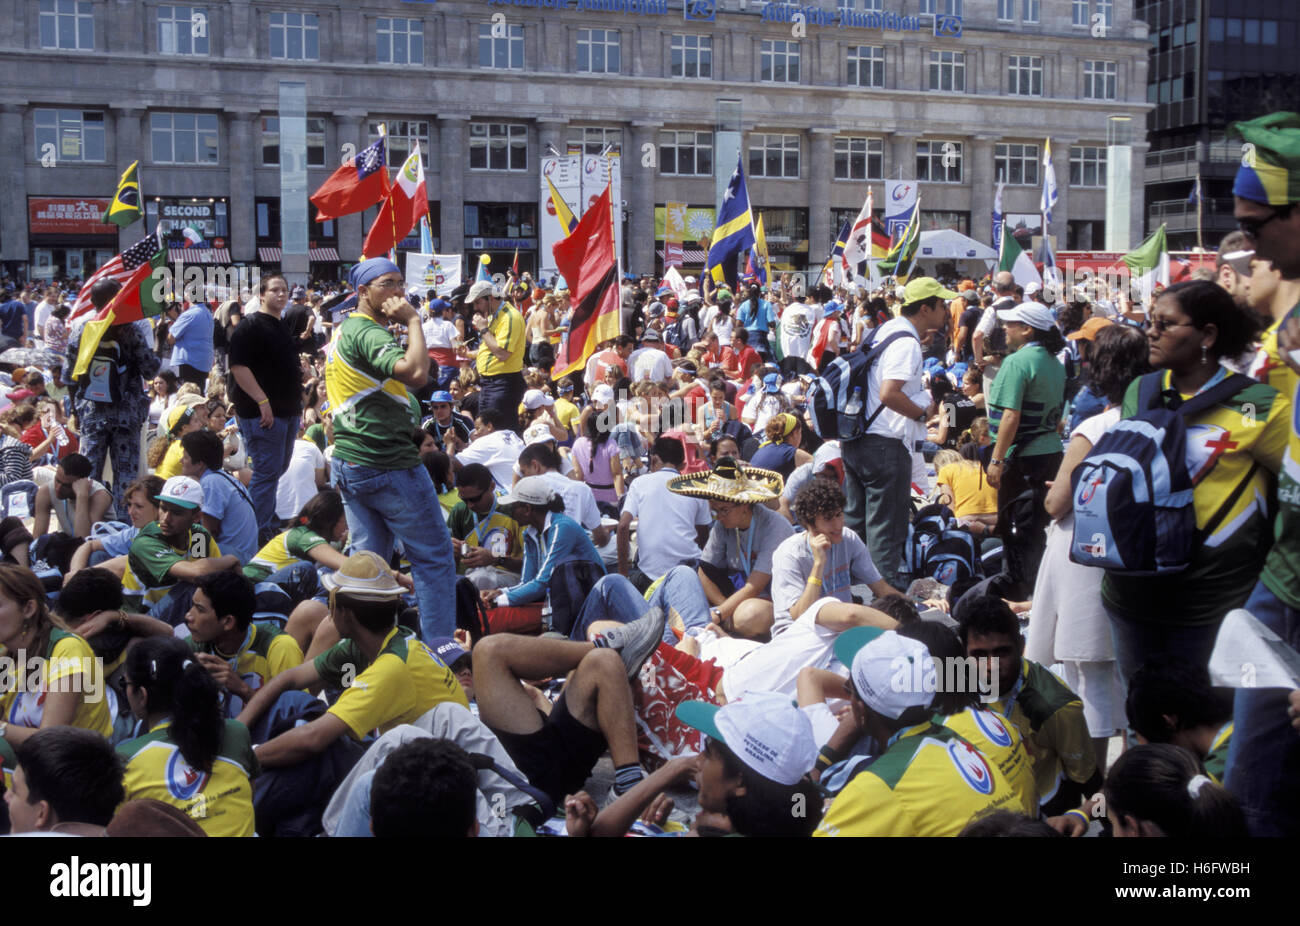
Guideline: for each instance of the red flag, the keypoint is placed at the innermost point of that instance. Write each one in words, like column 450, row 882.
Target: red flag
column 586, row 260
column 354, row 187
column 405, row 203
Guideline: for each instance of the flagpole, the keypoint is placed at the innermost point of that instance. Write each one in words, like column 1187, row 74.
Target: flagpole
column 1200, row 196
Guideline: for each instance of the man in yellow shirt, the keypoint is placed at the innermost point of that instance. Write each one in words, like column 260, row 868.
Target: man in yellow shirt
column 500, row 360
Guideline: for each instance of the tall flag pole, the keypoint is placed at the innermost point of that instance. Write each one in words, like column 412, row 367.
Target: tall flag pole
column 997, row 213
column 858, row 246
column 734, row 233
column 1048, row 200
column 1197, row 198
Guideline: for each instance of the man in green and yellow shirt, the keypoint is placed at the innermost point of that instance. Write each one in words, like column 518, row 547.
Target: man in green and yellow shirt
column 500, row 360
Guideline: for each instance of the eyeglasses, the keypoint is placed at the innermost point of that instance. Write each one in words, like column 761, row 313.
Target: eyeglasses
column 1251, row 227
column 1160, row 325
column 471, row 501
column 722, row 510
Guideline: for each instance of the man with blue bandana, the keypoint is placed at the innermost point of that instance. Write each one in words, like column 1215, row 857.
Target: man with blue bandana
column 387, row 492
column 1264, row 757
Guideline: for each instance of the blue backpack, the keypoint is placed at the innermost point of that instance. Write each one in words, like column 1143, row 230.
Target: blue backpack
column 939, row 548
column 1133, row 511
column 837, row 398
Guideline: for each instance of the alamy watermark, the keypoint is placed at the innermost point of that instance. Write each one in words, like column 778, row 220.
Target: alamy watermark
column 954, row 674
column 37, row 675
column 202, row 282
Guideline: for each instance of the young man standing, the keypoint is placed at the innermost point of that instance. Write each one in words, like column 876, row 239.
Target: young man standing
column 386, row 490
column 500, row 359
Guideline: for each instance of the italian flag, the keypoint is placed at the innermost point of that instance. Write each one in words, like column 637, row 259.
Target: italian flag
column 1015, row 259
column 1149, row 265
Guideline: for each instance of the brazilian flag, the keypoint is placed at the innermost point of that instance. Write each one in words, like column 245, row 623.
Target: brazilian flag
column 125, row 207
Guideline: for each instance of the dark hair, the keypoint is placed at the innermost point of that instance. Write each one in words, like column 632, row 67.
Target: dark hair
column 475, row 475
column 87, row 591
column 949, row 655
column 1164, row 687
column 899, row 607
column 374, row 616
column 61, row 311
column 1207, row 303
column 177, row 683
column 76, row 771
column 742, row 333
column 1050, row 339
column 940, row 386
column 595, row 433
column 986, row 614
column 1007, row 823
column 76, row 466
column 670, row 450
column 713, row 444
column 625, row 340
column 439, row 466
column 102, row 293
column 1151, row 783
column 322, row 512
column 542, row 453
column 204, row 447
column 495, row 417
column 168, row 377
column 1119, row 356
column 34, row 378
column 427, row 788
column 767, row 807
column 912, row 309
column 819, row 498
column 265, row 282
column 230, row 593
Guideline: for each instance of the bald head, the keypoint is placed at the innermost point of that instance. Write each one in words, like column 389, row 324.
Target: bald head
column 1004, row 283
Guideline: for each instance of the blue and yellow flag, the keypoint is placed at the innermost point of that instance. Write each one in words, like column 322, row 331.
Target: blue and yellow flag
column 898, row 262
column 734, row 233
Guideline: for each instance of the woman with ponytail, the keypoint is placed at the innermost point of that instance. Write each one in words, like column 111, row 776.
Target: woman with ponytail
column 1160, row 790
column 780, row 451
column 316, row 536
column 190, row 756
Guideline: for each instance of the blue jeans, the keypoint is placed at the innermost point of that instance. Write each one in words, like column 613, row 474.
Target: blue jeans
column 269, row 451
column 354, row 821
column 614, row 598
column 1138, row 641
column 1264, row 756
column 877, row 489
column 383, row 505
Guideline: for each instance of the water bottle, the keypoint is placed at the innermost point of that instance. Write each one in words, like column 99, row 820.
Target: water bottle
column 854, row 406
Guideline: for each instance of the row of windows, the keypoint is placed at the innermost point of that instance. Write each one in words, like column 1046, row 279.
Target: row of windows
column 192, row 138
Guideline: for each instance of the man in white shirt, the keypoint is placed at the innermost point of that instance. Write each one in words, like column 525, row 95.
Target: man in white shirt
column 541, row 459
column 494, row 445
column 43, row 309
column 797, row 323
column 307, row 474
column 668, row 525
column 878, row 465
column 649, row 362
column 989, row 340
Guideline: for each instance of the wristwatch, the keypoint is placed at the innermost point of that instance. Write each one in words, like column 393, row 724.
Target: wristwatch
column 997, row 462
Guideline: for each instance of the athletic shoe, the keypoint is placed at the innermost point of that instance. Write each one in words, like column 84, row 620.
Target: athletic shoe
column 637, row 640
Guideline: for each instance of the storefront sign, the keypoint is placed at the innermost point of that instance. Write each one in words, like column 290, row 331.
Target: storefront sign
column 50, row 216
column 503, row 244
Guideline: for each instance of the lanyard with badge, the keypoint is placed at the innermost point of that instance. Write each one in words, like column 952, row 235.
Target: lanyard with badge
column 233, row 661
column 742, row 576
column 482, row 524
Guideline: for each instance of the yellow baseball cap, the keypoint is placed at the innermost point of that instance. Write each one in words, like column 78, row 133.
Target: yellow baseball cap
column 923, row 288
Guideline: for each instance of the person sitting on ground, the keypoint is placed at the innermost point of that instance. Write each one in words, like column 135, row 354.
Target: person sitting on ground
column 1170, row 702
column 671, row 527
column 1048, row 715
column 316, row 537
column 494, row 445
column 90, row 605
column 426, row 789
column 186, row 416
column 826, row 464
column 445, row 423
column 781, row 451
column 1159, row 789
column 928, row 780
column 190, row 756
column 227, row 507
column 66, row 781
column 960, row 479
column 78, row 502
column 542, row 458
column 110, row 549
column 241, row 656
column 489, row 543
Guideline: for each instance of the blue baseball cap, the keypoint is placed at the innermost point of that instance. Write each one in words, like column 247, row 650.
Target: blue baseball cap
column 442, row 396
column 447, row 649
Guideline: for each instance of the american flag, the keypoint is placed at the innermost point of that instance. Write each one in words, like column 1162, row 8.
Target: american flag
column 119, row 269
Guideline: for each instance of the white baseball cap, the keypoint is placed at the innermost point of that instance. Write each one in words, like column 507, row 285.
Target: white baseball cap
column 183, row 491
column 535, row 398
column 531, row 490
column 764, row 729
column 1033, row 314
column 828, row 452
column 536, row 433
column 891, row 673
column 602, row 394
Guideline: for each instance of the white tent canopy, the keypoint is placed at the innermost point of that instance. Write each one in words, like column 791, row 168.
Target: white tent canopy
column 947, row 244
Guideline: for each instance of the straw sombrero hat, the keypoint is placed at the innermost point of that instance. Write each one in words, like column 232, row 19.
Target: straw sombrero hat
column 730, row 481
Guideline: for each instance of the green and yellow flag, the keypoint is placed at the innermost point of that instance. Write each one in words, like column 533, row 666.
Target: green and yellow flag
column 125, row 207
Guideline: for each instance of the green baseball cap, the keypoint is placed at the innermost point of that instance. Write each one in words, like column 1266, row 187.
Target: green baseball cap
column 1270, row 162
column 923, row 288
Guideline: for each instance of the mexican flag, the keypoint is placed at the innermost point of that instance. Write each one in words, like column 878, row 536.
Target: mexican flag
column 1149, row 265
column 1015, row 259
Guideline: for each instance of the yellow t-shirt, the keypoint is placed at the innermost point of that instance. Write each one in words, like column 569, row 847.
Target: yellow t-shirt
column 219, row 801
column 171, row 463
column 971, row 491
column 403, row 683
column 568, row 413
column 70, row 666
column 266, row 652
column 507, row 326
column 1002, row 745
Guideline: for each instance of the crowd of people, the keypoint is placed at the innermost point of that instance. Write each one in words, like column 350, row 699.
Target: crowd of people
column 359, row 559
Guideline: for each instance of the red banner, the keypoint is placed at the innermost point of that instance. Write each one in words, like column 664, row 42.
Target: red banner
column 68, row 216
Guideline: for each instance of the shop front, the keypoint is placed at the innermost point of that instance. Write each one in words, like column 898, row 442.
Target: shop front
column 500, row 230
column 196, row 230
column 66, row 237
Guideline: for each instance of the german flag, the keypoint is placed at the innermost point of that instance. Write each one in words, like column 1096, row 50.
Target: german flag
column 125, row 207
column 587, row 261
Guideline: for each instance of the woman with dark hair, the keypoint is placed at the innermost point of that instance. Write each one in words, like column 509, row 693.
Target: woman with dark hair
column 1160, row 790
column 1234, row 449
column 598, row 460
column 1070, row 625
column 191, row 757
column 317, row 533
column 1024, row 406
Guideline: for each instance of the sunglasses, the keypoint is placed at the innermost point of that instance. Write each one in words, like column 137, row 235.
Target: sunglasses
column 471, row 501
column 1251, row 227
column 1160, row 325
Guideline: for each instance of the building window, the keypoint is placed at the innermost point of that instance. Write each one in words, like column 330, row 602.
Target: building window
column 1079, row 13
column 68, row 25
column 594, row 140
column 692, row 56
column 686, row 154
column 779, row 62
column 76, row 135
column 774, row 156
column 1024, row 75
column 859, row 158
column 1006, row 11
column 1099, row 80
column 866, row 6
column 1029, row 11
column 271, row 142
column 182, row 30
column 502, row 53
column 402, row 135
column 866, row 66
column 498, row 146
column 295, row 36
column 1268, row 34
column 1107, row 10
column 1087, row 166
column 598, row 51
column 930, row 161
column 399, row 41
column 184, row 138
column 948, row 71
column 1016, row 165
column 946, row 7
